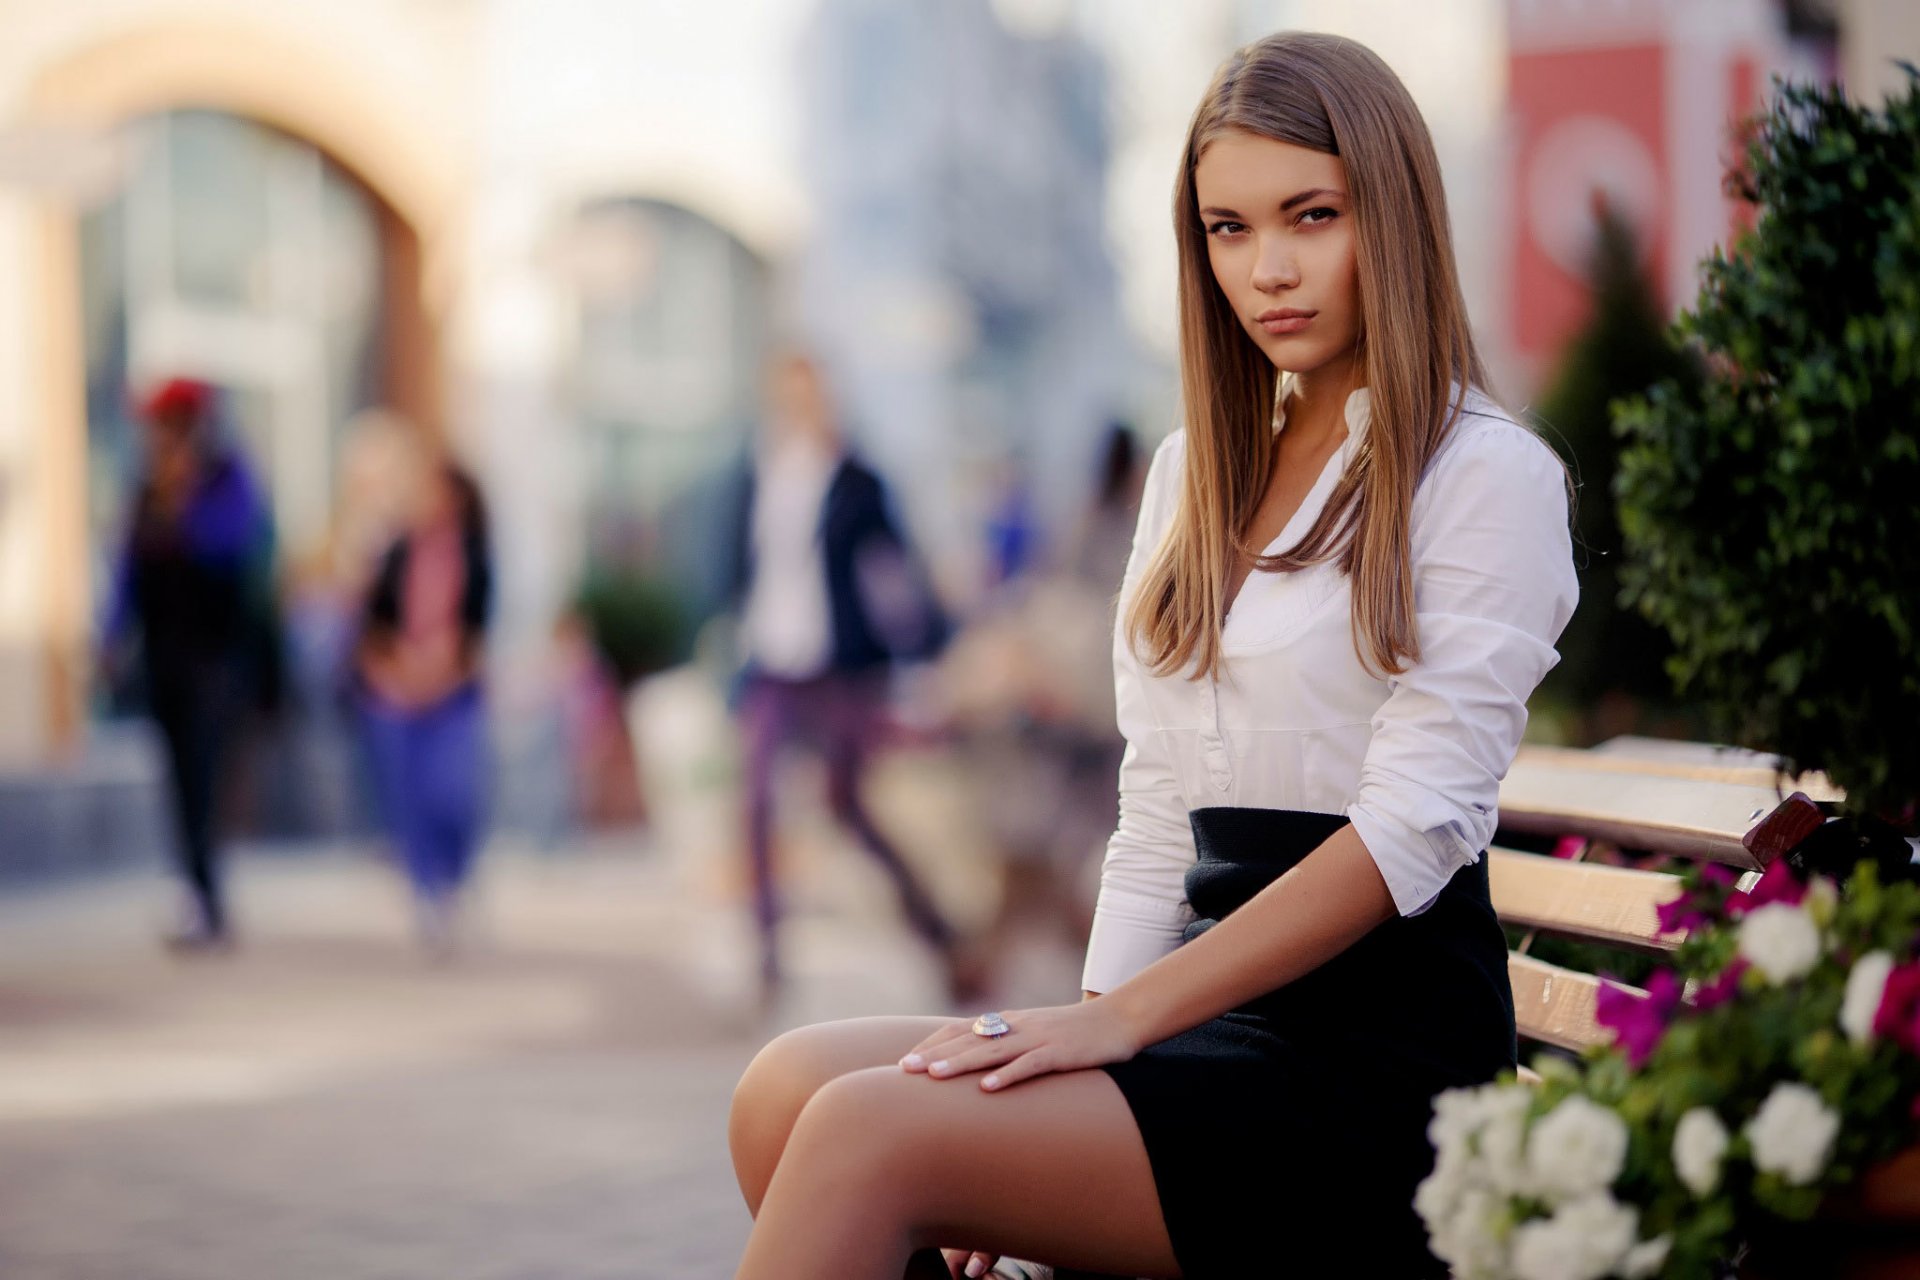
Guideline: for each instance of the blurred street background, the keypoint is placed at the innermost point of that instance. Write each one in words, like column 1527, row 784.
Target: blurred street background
column 435, row 749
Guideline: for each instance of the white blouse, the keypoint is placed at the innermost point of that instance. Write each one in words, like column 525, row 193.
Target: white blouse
column 1296, row 722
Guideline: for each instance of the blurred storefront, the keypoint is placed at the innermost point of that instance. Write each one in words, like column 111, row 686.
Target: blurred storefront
column 367, row 207
column 247, row 202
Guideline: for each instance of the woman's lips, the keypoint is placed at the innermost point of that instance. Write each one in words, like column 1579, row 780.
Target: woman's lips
column 1289, row 321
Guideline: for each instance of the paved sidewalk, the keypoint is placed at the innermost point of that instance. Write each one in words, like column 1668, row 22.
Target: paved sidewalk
column 325, row 1103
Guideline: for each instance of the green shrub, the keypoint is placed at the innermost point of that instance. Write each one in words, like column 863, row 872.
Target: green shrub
column 1771, row 512
column 1608, row 650
column 637, row 621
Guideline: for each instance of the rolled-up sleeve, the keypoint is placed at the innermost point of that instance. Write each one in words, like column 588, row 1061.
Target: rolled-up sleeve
column 1142, row 908
column 1494, row 585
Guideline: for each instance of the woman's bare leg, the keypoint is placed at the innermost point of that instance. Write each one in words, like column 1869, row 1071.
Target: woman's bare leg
column 783, row 1078
column 883, row 1164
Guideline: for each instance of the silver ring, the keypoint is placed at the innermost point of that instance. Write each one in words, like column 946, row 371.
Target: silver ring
column 990, row 1025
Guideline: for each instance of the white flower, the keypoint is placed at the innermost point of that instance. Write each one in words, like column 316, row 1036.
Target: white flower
column 1471, row 1239
column 1698, row 1144
column 1485, row 1126
column 1865, row 985
column 1575, row 1149
column 1585, row 1239
column 1792, row 1133
column 1502, row 1146
column 1460, row 1115
column 1781, row 941
column 1646, row 1258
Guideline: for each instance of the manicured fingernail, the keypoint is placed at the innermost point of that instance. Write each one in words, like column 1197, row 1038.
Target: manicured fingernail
column 977, row 1267
column 992, row 1082
column 938, row 1068
column 911, row 1060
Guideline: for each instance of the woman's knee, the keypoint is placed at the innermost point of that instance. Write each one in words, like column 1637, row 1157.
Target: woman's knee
column 867, row 1123
column 785, row 1075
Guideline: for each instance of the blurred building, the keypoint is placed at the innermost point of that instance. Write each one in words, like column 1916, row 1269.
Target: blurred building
column 958, row 277
column 1635, row 104
column 541, row 230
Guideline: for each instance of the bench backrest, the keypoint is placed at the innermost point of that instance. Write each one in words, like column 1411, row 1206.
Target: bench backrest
column 1638, row 795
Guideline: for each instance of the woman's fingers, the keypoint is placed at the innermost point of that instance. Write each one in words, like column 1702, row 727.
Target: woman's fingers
column 980, row 1263
column 957, row 1059
column 1036, row 1062
column 923, row 1053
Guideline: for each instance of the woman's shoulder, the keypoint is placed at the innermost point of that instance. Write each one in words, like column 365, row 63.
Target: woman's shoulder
column 1161, row 491
column 1490, row 446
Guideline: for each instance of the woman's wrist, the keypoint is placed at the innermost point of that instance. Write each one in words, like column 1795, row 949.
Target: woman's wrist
column 1134, row 1013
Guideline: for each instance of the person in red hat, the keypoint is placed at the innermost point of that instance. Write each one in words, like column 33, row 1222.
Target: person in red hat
column 193, row 574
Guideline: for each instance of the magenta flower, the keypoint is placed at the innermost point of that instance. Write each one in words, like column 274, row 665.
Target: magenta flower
column 1569, row 846
column 1716, row 873
column 1638, row 1022
column 1682, row 915
column 1898, row 1017
column 1722, row 988
column 1779, row 884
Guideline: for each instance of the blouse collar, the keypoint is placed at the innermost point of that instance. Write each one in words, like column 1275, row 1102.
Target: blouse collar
column 1358, row 412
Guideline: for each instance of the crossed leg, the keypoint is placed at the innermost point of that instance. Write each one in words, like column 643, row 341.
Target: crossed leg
column 854, row 1168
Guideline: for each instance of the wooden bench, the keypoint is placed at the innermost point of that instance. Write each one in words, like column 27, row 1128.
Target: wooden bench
column 1630, row 797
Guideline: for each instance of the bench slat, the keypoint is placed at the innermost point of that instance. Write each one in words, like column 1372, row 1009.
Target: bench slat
column 1613, row 905
column 1555, row 1005
column 1553, row 792
column 1706, row 764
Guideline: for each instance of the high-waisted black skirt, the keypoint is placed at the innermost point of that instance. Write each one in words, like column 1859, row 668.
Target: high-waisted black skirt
column 1287, row 1136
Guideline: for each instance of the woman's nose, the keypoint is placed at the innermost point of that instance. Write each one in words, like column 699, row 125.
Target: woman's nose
column 1275, row 268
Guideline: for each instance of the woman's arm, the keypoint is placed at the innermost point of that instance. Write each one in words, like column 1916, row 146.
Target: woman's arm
column 1334, row 897
column 1142, row 910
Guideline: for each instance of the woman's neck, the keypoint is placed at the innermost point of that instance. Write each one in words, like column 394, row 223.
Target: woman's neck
column 1318, row 399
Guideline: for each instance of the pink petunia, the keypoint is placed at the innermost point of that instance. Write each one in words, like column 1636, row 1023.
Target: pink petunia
column 1898, row 1017
column 1722, row 988
column 1778, row 884
column 1682, row 915
column 1638, row 1022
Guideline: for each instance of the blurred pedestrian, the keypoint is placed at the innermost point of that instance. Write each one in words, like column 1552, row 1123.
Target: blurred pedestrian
column 1029, row 690
column 377, row 482
column 420, row 668
column 830, row 596
column 193, row 584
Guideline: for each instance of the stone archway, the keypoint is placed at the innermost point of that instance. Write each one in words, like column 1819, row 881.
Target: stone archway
column 326, row 99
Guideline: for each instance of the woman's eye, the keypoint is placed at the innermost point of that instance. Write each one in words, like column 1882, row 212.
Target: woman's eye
column 1224, row 227
column 1312, row 215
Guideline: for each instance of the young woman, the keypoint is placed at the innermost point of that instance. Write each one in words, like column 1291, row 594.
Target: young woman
column 1344, row 584
column 420, row 671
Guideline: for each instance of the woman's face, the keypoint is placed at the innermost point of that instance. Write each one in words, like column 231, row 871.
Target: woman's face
column 1280, row 237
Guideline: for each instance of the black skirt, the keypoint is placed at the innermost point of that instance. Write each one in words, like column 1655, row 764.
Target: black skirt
column 1287, row 1136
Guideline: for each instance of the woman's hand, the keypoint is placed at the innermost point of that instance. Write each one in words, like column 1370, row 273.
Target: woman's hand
column 1059, row 1038
column 968, row 1262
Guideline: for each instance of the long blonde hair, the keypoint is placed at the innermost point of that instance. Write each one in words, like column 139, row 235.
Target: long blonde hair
column 1334, row 96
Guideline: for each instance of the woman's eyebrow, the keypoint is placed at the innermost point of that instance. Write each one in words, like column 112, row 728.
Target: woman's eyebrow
column 1216, row 211
column 1291, row 201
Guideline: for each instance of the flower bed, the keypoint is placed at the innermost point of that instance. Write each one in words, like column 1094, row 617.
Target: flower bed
column 1733, row 1118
